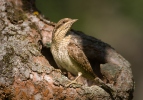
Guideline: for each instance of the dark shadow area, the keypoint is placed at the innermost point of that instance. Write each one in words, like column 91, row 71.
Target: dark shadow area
column 29, row 5
column 48, row 55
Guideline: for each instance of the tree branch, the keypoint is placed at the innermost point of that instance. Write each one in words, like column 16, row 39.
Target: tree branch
column 26, row 67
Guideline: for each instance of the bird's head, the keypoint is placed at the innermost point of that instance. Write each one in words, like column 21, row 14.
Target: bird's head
column 61, row 28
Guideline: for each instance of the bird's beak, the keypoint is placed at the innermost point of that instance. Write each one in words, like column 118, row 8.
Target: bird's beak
column 74, row 20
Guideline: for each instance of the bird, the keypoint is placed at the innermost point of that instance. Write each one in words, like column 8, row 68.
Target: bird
column 78, row 53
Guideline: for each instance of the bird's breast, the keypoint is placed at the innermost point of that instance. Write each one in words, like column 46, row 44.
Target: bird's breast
column 61, row 56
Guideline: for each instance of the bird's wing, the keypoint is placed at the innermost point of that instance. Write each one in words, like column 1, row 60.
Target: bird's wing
column 92, row 47
column 76, row 54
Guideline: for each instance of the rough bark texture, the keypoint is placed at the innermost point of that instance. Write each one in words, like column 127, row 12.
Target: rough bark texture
column 26, row 70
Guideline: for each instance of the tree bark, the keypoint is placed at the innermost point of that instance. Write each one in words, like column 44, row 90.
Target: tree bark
column 27, row 69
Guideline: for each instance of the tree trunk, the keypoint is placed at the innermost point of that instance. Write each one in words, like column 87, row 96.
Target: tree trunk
column 27, row 69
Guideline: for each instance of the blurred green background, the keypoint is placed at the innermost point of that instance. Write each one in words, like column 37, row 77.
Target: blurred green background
column 117, row 22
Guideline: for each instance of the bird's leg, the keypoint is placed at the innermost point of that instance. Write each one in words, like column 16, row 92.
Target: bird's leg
column 74, row 81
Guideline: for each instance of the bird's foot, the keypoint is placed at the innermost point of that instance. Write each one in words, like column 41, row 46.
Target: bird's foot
column 72, row 82
column 75, row 80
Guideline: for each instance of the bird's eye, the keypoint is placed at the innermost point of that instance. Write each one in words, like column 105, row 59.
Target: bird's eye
column 64, row 22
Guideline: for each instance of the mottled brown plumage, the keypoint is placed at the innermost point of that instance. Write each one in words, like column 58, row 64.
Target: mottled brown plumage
column 76, row 52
